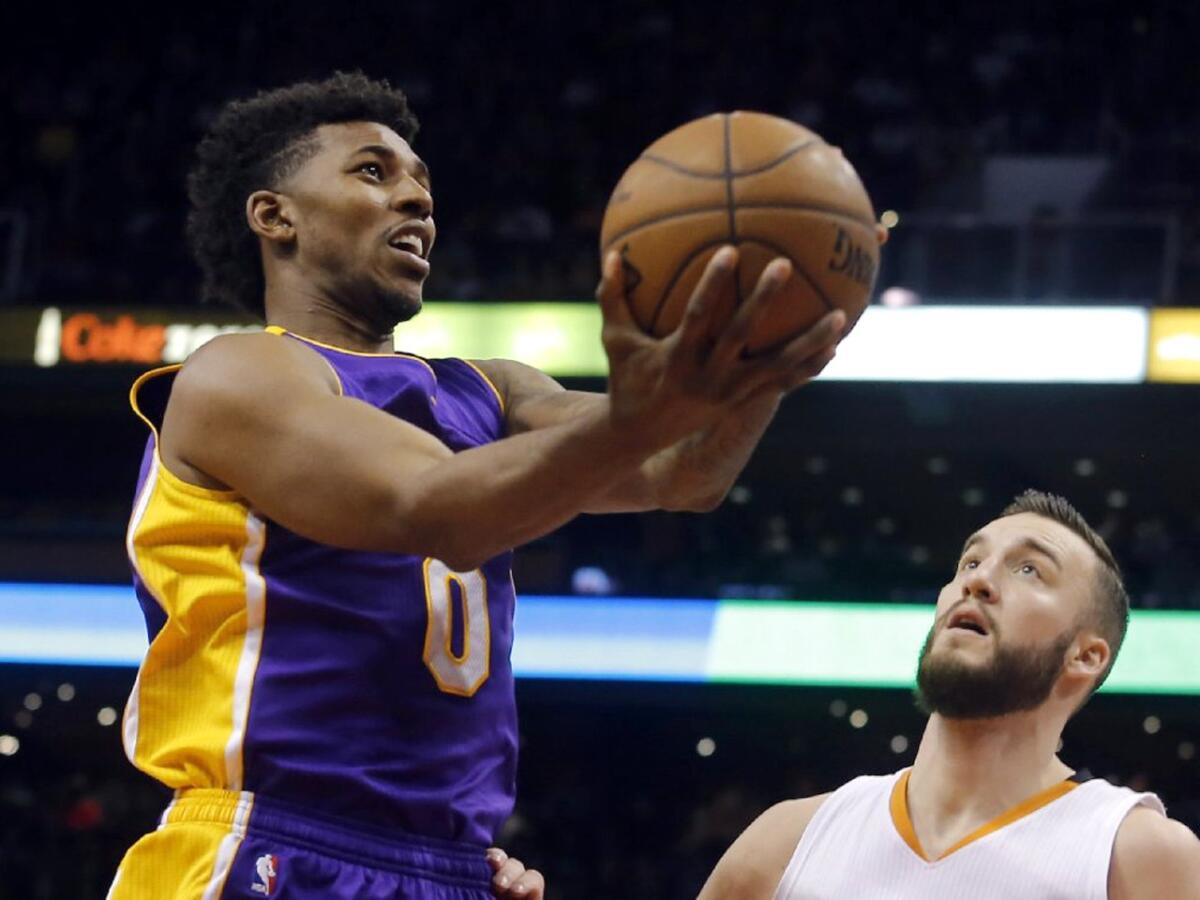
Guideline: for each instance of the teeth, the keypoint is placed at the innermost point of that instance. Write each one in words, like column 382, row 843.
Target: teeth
column 412, row 243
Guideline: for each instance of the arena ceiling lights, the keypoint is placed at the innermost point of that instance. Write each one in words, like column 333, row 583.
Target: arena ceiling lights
column 1000, row 344
column 630, row 639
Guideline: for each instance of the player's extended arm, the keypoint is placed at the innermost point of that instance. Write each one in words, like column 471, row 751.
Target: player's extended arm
column 697, row 472
column 754, row 864
column 692, row 475
column 1154, row 857
column 261, row 415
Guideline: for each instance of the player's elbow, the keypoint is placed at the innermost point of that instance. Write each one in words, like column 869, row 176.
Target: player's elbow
column 423, row 528
column 434, row 543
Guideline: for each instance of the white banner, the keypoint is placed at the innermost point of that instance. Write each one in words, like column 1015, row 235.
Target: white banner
column 995, row 343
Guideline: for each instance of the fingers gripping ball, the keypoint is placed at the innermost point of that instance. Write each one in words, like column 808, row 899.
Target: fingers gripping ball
column 766, row 185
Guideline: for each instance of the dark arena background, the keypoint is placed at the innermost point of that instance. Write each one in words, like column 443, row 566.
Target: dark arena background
column 1036, row 323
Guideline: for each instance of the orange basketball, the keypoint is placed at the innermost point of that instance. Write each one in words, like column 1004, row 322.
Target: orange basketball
column 769, row 187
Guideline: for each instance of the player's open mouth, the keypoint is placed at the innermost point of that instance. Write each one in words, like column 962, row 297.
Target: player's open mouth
column 418, row 264
column 412, row 241
column 968, row 620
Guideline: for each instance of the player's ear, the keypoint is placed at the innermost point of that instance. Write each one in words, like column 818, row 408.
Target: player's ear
column 1091, row 656
column 269, row 217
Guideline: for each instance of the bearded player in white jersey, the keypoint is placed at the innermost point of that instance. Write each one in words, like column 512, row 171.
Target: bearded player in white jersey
column 1025, row 632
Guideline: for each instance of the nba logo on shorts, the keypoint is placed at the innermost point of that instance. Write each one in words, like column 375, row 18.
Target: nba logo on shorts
column 266, row 867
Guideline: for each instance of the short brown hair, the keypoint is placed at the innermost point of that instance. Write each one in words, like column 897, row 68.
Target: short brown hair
column 1111, row 600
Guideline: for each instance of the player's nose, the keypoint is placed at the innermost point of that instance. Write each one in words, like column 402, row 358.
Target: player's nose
column 413, row 198
column 978, row 583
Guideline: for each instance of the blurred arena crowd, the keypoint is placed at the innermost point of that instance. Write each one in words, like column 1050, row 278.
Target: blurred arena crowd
column 530, row 114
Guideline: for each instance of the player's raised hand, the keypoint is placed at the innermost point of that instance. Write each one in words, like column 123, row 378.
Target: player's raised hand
column 659, row 388
column 664, row 389
column 784, row 368
column 512, row 879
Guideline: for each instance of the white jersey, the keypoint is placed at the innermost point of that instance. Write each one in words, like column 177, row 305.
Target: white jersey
column 1054, row 846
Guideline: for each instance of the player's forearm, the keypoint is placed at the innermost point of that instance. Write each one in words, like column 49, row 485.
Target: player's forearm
column 696, row 474
column 488, row 499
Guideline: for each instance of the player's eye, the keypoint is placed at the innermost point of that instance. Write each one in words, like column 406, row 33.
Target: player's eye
column 1030, row 569
column 374, row 169
column 969, row 564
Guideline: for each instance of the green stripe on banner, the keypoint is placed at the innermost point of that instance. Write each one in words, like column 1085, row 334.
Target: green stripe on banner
column 559, row 338
column 875, row 645
column 1160, row 655
column 816, row 643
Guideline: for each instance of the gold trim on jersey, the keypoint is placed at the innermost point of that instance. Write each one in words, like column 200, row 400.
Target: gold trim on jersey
column 159, row 467
column 275, row 329
column 904, row 826
column 279, row 329
column 197, row 552
column 488, row 381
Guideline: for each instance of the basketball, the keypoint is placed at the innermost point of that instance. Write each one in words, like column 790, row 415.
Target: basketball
column 765, row 185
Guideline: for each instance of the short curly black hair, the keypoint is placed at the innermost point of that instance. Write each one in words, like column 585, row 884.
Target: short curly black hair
column 253, row 144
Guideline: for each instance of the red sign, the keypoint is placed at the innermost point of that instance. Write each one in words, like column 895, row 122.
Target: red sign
column 85, row 338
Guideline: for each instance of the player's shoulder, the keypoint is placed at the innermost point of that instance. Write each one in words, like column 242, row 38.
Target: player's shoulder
column 251, row 364
column 754, row 864
column 1154, row 856
column 783, row 824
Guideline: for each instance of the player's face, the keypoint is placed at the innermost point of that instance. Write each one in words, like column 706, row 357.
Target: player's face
column 362, row 208
column 1008, row 620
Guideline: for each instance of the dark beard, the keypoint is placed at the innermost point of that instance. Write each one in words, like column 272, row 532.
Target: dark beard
column 392, row 308
column 379, row 307
column 1017, row 679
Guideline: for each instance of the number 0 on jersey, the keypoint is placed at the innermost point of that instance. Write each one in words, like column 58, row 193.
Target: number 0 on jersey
column 464, row 673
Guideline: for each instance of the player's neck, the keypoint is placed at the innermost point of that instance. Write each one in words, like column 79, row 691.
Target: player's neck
column 305, row 310
column 968, row 772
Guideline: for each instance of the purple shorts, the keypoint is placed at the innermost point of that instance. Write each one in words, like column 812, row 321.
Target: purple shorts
column 227, row 846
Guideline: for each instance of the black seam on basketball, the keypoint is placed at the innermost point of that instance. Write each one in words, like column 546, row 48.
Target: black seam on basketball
column 741, row 173
column 737, row 275
column 681, row 213
column 687, row 261
column 829, row 304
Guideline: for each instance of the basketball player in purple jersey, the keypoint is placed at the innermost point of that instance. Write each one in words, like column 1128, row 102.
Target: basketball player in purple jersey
column 323, row 528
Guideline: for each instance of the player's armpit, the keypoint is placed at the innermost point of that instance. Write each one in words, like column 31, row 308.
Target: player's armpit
column 532, row 399
column 754, row 864
column 1154, row 857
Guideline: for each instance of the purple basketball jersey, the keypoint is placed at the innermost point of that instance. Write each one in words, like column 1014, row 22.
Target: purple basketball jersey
column 376, row 687
column 347, row 715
